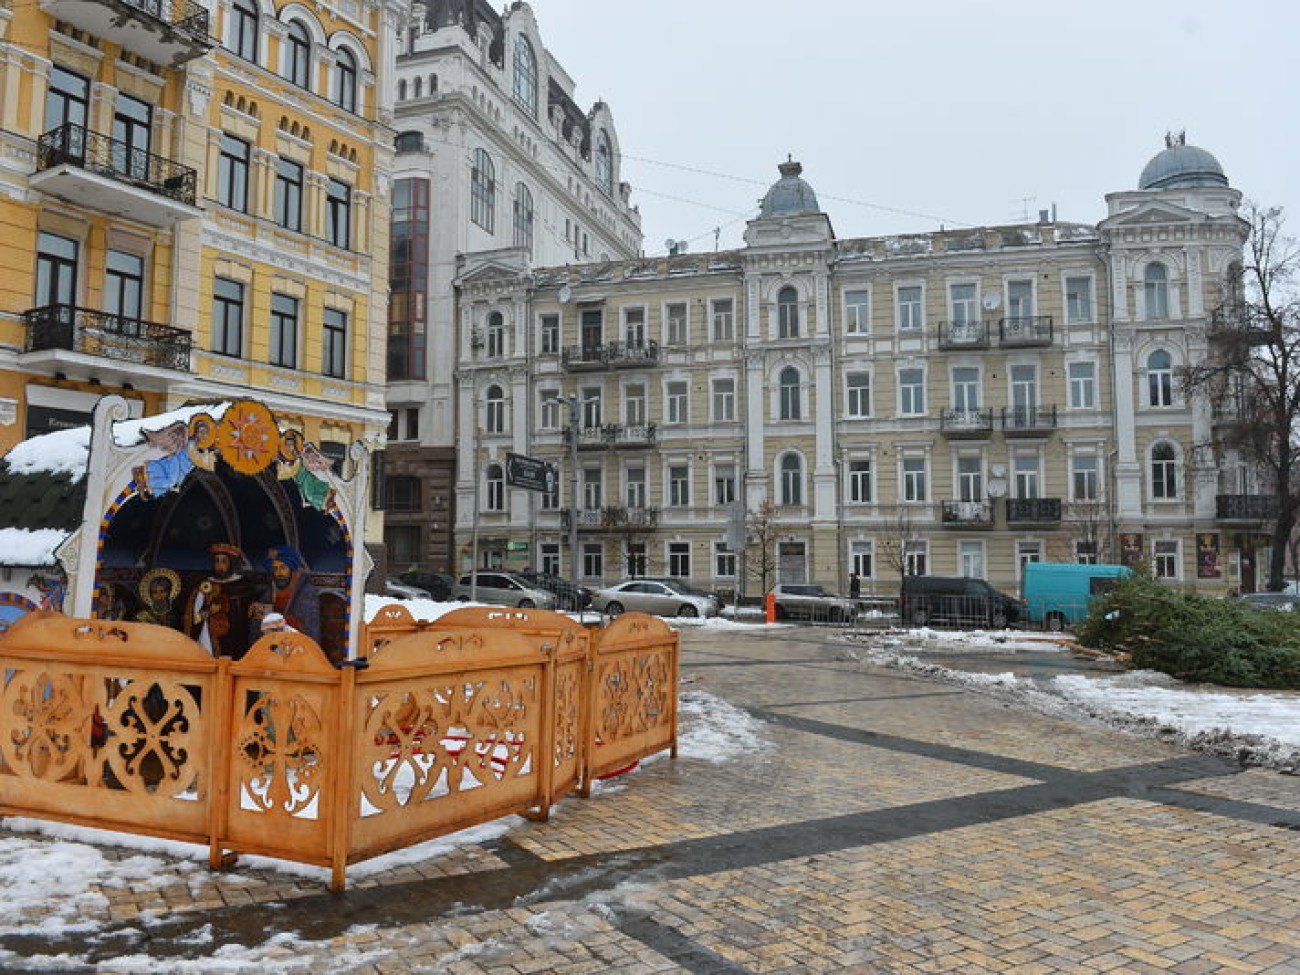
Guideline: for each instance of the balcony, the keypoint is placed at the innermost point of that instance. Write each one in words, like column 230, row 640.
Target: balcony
column 1028, row 421
column 100, row 173
column 612, row 355
column 963, row 335
column 966, row 514
column 167, row 32
column 613, row 436
column 1025, row 331
column 1245, row 507
column 611, row 518
column 1033, row 511
column 966, row 423
column 97, row 333
column 1241, row 326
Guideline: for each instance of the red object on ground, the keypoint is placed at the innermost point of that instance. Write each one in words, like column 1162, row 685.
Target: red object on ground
column 771, row 607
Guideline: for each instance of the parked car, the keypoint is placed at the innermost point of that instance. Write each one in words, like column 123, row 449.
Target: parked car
column 400, row 590
column 568, row 596
column 436, row 584
column 663, row 597
column 1057, row 594
column 1278, row 602
column 501, row 589
column 687, row 587
column 805, row 601
column 925, row 599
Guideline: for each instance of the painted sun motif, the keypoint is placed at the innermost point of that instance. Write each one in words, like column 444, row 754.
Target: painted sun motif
column 248, row 437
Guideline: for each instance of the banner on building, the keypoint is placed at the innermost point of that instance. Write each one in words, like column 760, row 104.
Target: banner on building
column 1207, row 556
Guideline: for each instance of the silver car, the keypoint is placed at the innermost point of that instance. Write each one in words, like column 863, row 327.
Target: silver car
column 501, row 589
column 805, row 601
column 664, row 597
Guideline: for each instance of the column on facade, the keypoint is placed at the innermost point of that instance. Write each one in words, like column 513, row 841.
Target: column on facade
column 756, row 407
column 520, row 501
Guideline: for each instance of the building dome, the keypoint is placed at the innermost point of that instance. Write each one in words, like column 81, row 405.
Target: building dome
column 1181, row 165
column 789, row 195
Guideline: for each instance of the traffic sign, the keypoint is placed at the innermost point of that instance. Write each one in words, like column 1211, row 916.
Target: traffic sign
column 531, row 474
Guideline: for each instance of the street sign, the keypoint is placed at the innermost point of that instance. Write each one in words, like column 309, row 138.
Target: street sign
column 531, row 474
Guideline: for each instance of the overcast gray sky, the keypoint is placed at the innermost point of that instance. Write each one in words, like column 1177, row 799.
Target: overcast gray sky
column 906, row 116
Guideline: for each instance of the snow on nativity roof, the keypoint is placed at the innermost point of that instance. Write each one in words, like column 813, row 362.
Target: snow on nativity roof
column 34, row 547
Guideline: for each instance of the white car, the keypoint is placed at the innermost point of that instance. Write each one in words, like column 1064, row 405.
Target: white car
column 501, row 589
column 663, row 597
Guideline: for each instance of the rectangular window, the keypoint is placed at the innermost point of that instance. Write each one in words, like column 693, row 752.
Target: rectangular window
column 1078, row 300
column 1083, row 385
column 724, row 561
column 338, row 215
column 857, row 312
column 676, row 402
column 963, row 304
column 1027, row 552
column 861, row 560
column 911, row 392
column 232, row 173
column 1085, row 480
column 550, row 328
column 637, row 562
column 591, row 406
column 860, row 482
column 1028, row 476
column 859, row 394
column 970, row 559
column 334, row 355
column 724, row 484
column 724, row 400
column 966, row 388
column 916, row 557
column 551, row 499
column 634, row 327
column 288, row 194
column 910, row 312
column 227, row 317
column 675, row 333
column 551, row 558
column 67, row 102
column 592, row 488
column 634, row 412
column 412, row 422
column 914, row 486
column 1024, row 389
column 56, row 270
column 591, row 332
column 593, row 560
column 1020, row 301
column 1166, row 559
column 679, row 560
column 284, row 331
column 724, row 325
column 548, row 413
column 679, row 486
column 634, row 487
column 970, row 479
column 1085, row 552
column 124, row 289
column 243, row 29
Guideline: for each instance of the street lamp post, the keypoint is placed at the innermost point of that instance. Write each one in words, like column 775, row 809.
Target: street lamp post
column 572, row 402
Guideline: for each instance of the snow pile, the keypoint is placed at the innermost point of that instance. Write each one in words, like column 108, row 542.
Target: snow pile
column 34, row 546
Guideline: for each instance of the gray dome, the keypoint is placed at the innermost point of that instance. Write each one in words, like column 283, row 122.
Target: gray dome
column 789, row 195
column 1181, row 165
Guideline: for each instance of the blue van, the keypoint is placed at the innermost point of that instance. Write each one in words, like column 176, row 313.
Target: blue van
column 1057, row 595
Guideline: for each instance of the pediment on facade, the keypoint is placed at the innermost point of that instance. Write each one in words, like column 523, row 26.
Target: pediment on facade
column 1152, row 213
column 494, row 267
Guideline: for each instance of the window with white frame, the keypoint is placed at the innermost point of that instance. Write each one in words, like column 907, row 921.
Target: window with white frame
column 858, row 388
column 857, row 312
column 1085, row 477
column 970, row 478
column 970, row 559
column 1078, row 300
column 634, row 493
column 862, row 561
column 548, row 412
column 1160, row 378
column 675, row 332
column 1086, row 551
column 916, row 557
column 523, row 217
column 593, row 488
column 791, row 479
column 724, row 561
column 1024, row 391
column 494, row 412
column 1155, row 288
column 911, row 392
column 914, row 480
column 634, row 554
column 1027, row 476
column 963, row 304
column 634, row 409
column 1083, row 385
column 593, row 559
column 679, row 560
column 679, row 485
column 860, row 482
column 483, row 190
column 494, row 479
column 676, row 398
column 550, row 329
column 1165, row 559
column 965, row 388
column 1020, row 301
column 1164, row 472
column 787, row 313
column 911, row 316
column 724, row 319
column 525, row 87
column 634, row 327
column 550, row 558
column 496, row 335
column 724, row 484
column 724, row 399
column 1026, row 552
column 551, row 498
column 591, row 406
column 788, row 393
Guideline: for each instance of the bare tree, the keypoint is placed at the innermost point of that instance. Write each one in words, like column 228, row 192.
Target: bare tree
column 894, row 538
column 632, row 526
column 762, row 530
column 1088, row 528
column 1253, row 374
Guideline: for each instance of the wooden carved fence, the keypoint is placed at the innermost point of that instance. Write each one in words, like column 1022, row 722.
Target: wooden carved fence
column 440, row 726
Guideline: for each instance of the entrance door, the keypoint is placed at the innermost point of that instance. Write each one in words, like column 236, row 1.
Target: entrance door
column 791, row 563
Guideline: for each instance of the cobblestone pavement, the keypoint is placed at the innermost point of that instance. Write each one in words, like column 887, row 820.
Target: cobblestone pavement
column 895, row 825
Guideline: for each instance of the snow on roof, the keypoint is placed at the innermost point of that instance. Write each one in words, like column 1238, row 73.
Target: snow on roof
column 27, row 546
column 68, row 451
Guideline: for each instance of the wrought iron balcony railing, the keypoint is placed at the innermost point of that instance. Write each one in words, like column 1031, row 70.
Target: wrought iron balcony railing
column 963, row 335
column 1245, row 507
column 612, row 435
column 182, row 15
column 1028, row 419
column 99, row 333
column 966, row 514
column 613, row 517
column 966, row 423
column 611, row 355
column 1033, row 511
column 94, row 152
column 1025, row 330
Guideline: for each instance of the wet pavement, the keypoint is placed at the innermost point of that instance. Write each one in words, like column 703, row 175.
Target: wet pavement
column 892, row 824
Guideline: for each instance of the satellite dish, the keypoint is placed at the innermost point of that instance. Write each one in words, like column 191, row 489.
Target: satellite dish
column 997, row 487
column 565, row 294
column 991, row 300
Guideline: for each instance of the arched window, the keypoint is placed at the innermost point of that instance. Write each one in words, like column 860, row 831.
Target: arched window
column 1156, row 286
column 345, row 80
column 496, row 488
column 791, row 479
column 525, row 76
column 297, row 55
column 789, row 407
column 1160, row 379
column 401, row 89
column 523, row 217
column 433, row 84
column 419, row 87
column 787, row 313
column 409, row 142
column 244, row 28
column 604, row 162
column 483, row 190
column 496, row 336
column 1164, row 472
column 495, row 412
